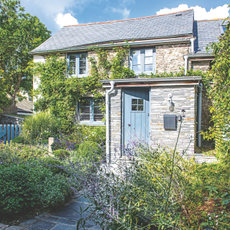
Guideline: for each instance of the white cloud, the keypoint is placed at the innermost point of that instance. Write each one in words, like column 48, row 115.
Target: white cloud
column 124, row 12
column 65, row 19
column 199, row 12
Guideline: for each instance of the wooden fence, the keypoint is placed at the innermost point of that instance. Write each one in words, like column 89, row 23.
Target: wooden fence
column 8, row 132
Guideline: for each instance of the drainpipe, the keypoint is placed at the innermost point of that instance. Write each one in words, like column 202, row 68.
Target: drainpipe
column 192, row 44
column 199, row 113
column 185, row 64
column 112, row 83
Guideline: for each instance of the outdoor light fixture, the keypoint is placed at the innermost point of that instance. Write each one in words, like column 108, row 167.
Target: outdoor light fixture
column 171, row 104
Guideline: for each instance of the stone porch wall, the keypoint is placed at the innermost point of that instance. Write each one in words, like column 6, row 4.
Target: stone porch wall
column 183, row 98
column 115, row 116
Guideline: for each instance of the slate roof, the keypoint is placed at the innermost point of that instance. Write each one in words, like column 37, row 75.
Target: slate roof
column 158, row 26
column 206, row 31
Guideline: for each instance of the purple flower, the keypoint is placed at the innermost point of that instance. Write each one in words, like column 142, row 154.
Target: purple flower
column 1, row 163
column 183, row 110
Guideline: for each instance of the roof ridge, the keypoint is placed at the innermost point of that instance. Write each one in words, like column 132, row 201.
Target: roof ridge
column 130, row 19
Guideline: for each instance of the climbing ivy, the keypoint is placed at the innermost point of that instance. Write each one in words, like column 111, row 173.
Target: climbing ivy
column 217, row 82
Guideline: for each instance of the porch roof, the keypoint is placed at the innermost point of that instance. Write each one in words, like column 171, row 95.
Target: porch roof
column 143, row 82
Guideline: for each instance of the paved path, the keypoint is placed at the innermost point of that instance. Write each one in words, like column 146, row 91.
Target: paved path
column 65, row 218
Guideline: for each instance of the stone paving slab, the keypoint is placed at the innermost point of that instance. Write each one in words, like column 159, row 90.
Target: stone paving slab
column 65, row 218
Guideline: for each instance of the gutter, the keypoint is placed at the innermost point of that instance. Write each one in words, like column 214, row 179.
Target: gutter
column 117, row 43
column 108, row 159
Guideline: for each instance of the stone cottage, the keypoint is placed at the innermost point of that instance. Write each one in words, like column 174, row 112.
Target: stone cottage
column 144, row 108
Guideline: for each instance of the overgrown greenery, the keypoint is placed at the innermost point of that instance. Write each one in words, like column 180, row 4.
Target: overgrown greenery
column 217, row 82
column 30, row 180
column 19, row 33
column 38, row 128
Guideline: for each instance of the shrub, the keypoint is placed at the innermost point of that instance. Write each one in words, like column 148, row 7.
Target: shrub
column 24, row 186
column 54, row 165
column 19, row 153
column 18, row 190
column 142, row 192
column 61, row 153
column 38, row 127
column 81, row 134
column 89, row 150
column 18, row 139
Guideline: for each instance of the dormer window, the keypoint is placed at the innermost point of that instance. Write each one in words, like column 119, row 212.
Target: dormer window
column 77, row 64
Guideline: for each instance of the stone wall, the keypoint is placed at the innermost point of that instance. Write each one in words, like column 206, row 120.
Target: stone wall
column 183, row 98
column 115, row 123
column 200, row 65
column 169, row 58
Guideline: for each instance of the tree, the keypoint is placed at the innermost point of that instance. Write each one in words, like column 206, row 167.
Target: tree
column 19, row 33
column 217, row 82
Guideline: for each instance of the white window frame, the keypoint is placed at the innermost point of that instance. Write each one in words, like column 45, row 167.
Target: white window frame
column 77, row 64
column 142, row 60
column 91, row 121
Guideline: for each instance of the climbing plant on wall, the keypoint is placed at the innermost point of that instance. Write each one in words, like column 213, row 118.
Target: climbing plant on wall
column 217, row 82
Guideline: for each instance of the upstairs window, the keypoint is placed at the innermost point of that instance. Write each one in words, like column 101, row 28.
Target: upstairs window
column 143, row 60
column 90, row 111
column 78, row 64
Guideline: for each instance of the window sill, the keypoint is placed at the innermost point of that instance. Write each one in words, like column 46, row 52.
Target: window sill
column 95, row 123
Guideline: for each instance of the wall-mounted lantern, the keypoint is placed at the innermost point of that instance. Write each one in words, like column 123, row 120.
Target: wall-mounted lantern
column 171, row 104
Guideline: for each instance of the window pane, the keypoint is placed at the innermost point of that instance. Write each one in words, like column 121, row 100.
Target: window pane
column 136, row 57
column 82, row 57
column 134, row 101
column 72, row 64
column 140, row 101
column 134, row 107
column 82, row 63
column 85, row 102
column 85, row 110
column 148, row 52
column 97, row 110
column 148, row 60
column 84, row 117
column 82, row 71
column 149, row 67
column 98, row 117
column 136, row 68
column 140, row 107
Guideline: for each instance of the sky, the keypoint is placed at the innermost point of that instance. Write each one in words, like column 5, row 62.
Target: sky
column 57, row 13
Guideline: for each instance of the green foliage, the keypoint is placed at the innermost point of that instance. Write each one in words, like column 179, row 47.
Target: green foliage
column 54, row 165
column 18, row 187
column 19, row 33
column 111, row 66
column 217, row 82
column 207, row 196
column 57, row 92
column 25, row 186
column 18, row 139
column 61, row 153
column 29, row 179
column 89, row 150
column 38, row 127
column 19, row 153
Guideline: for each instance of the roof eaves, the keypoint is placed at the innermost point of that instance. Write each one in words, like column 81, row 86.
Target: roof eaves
column 149, row 80
column 182, row 38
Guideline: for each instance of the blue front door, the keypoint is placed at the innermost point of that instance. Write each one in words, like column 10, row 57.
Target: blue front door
column 136, row 115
